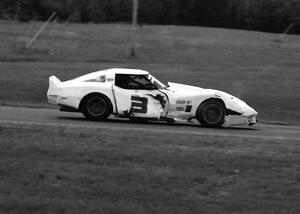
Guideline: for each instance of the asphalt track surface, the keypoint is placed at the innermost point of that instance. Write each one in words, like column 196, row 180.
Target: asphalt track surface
column 19, row 116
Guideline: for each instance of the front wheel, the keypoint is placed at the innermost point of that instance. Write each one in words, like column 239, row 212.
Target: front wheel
column 96, row 107
column 211, row 114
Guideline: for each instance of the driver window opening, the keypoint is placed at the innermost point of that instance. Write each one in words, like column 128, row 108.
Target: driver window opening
column 138, row 82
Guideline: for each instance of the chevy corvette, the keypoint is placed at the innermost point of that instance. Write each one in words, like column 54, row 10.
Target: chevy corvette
column 136, row 94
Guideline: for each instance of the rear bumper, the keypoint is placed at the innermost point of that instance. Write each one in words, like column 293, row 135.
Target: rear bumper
column 66, row 103
column 53, row 99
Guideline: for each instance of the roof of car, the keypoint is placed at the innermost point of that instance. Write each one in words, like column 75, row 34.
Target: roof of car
column 127, row 71
column 122, row 71
column 111, row 71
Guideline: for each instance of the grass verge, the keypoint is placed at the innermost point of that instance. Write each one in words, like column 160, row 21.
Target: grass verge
column 67, row 170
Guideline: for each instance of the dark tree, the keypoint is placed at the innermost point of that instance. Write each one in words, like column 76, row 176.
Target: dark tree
column 263, row 15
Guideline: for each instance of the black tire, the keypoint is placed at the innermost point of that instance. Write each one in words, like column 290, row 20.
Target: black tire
column 211, row 113
column 96, row 107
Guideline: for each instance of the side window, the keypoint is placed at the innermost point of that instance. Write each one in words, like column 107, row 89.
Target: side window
column 122, row 81
column 136, row 82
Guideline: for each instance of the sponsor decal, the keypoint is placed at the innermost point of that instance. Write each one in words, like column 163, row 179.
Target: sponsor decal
column 181, row 102
column 180, row 108
column 188, row 108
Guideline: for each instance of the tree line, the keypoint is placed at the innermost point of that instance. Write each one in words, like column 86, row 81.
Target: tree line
column 262, row 15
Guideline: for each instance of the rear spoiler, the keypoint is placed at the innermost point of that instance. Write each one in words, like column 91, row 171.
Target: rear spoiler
column 53, row 80
column 54, row 83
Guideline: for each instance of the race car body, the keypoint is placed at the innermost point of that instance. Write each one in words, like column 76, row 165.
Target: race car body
column 136, row 94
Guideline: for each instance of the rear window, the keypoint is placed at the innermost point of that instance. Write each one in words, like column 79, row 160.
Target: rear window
column 101, row 78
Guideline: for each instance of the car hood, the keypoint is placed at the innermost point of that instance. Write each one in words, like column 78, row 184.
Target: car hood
column 230, row 101
column 191, row 89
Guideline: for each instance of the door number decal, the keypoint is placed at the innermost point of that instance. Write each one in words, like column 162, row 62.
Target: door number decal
column 139, row 104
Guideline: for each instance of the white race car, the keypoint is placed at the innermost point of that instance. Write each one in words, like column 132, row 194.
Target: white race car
column 136, row 94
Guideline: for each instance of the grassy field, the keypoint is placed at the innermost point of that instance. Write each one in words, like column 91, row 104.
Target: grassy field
column 250, row 65
column 71, row 170
column 66, row 170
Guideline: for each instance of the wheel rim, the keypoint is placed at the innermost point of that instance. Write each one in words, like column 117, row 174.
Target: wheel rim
column 213, row 114
column 96, row 106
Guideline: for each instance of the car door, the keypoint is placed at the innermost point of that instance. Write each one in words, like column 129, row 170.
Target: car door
column 180, row 103
column 136, row 96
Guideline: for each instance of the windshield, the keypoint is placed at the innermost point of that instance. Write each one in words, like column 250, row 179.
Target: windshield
column 156, row 82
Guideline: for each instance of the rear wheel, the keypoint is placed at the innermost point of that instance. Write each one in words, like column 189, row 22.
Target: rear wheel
column 211, row 113
column 96, row 107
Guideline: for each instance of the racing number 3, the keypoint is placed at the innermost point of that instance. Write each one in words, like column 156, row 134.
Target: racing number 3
column 139, row 104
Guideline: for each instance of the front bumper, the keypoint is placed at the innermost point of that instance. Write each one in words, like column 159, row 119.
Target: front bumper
column 235, row 120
